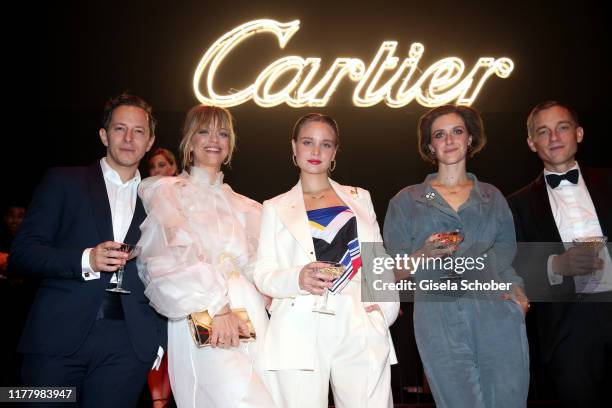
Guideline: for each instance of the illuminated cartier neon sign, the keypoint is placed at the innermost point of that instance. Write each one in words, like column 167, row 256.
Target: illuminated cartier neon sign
column 291, row 79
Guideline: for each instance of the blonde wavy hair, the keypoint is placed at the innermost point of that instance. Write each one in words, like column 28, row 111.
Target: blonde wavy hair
column 213, row 117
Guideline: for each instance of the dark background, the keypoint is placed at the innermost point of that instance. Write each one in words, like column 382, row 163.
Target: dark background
column 70, row 57
column 66, row 59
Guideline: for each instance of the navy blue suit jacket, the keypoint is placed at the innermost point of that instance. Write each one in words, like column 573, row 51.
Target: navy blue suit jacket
column 70, row 212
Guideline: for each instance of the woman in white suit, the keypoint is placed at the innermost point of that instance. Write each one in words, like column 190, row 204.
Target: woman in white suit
column 321, row 220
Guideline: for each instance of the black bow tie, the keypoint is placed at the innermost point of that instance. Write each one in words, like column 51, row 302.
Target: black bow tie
column 554, row 180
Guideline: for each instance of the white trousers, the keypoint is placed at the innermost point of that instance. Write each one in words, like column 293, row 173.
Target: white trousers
column 352, row 352
column 213, row 377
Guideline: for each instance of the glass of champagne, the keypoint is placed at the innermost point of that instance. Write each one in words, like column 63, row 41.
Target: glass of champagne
column 133, row 251
column 594, row 244
column 449, row 240
column 334, row 270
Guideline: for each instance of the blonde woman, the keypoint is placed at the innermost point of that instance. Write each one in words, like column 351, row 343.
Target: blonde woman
column 197, row 246
column 321, row 220
column 162, row 163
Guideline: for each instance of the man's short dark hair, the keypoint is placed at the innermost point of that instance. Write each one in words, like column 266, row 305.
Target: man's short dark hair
column 126, row 99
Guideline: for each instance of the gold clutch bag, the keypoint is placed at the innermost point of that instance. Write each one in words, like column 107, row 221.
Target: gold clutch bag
column 201, row 328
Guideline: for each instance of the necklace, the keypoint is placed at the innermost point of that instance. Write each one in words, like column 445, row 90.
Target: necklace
column 454, row 189
column 317, row 196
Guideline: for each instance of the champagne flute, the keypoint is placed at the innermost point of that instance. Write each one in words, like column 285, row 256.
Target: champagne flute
column 334, row 270
column 133, row 251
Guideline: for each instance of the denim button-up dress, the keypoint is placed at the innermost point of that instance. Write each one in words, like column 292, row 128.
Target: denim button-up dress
column 472, row 343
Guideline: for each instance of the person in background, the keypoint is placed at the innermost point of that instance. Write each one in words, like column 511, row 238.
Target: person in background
column 473, row 345
column 16, row 295
column 13, row 216
column 567, row 201
column 162, row 163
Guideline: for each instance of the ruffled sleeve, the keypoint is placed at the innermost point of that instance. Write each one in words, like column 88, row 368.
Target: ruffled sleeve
column 178, row 273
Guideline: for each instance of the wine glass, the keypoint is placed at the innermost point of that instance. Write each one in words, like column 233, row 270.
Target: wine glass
column 448, row 240
column 133, row 251
column 334, row 270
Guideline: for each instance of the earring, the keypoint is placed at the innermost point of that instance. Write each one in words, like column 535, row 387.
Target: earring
column 294, row 160
column 432, row 155
column 333, row 166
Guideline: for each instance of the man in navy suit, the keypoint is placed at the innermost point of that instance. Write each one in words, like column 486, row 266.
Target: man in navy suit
column 77, row 333
column 571, row 284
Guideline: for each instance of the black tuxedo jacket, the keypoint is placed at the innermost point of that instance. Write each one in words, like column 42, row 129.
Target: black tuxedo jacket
column 70, row 212
column 534, row 222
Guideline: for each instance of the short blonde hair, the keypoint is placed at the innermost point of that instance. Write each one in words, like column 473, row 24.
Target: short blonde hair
column 205, row 115
column 544, row 106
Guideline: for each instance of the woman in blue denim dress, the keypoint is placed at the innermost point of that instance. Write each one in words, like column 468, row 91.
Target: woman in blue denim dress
column 470, row 330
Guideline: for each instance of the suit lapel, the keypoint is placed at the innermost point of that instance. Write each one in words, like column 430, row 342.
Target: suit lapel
column 133, row 233
column 99, row 203
column 600, row 195
column 292, row 212
column 543, row 216
column 101, row 210
column 350, row 197
column 131, row 279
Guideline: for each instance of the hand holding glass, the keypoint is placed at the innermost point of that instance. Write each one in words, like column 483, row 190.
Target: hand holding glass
column 334, row 270
column 133, row 251
column 449, row 240
column 593, row 244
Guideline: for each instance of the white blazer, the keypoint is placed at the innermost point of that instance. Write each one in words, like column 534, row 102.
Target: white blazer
column 285, row 246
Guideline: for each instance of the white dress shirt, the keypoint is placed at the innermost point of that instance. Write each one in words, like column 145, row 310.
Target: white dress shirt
column 122, row 199
column 575, row 217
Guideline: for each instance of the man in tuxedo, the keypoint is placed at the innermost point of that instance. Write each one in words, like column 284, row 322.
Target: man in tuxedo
column 78, row 333
column 573, row 283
